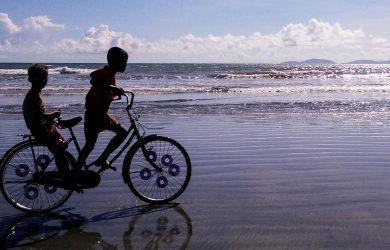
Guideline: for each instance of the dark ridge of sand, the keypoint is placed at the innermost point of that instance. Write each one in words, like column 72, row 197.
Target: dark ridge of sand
column 277, row 181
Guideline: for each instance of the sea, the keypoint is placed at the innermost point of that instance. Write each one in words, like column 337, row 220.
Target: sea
column 296, row 155
column 215, row 88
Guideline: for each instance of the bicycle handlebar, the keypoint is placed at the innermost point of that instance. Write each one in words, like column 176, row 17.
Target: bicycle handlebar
column 130, row 100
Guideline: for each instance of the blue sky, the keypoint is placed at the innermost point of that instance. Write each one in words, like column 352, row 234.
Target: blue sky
column 243, row 31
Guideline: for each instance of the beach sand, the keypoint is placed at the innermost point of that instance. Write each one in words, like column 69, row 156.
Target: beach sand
column 259, row 181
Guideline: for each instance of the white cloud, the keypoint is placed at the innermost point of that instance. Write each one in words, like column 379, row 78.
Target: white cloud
column 293, row 42
column 99, row 40
column 34, row 23
column 7, row 24
column 378, row 40
column 318, row 33
column 40, row 23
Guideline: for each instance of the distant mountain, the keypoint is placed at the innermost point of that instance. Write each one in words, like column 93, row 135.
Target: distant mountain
column 311, row 61
column 325, row 61
column 291, row 62
column 318, row 61
column 368, row 62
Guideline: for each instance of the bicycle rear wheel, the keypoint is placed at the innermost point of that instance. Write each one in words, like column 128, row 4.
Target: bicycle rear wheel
column 16, row 178
column 153, row 186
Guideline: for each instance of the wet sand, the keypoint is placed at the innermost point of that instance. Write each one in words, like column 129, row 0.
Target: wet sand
column 271, row 181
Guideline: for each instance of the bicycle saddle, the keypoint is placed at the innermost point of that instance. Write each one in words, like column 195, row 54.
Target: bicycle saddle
column 70, row 123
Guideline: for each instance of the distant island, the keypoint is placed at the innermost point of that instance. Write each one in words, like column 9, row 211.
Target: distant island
column 311, row 61
column 369, row 62
column 326, row 61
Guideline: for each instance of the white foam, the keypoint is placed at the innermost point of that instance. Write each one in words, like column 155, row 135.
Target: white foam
column 13, row 71
column 68, row 70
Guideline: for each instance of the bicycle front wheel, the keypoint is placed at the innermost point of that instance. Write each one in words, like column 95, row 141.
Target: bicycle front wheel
column 154, row 186
column 16, row 176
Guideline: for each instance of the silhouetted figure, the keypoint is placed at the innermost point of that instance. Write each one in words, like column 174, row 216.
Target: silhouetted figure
column 97, row 103
column 37, row 120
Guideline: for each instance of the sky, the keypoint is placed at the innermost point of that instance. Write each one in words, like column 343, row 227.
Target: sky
column 194, row 31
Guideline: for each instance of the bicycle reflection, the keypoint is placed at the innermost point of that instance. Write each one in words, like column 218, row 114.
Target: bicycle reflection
column 60, row 228
column 170, row 229
column 150, row 227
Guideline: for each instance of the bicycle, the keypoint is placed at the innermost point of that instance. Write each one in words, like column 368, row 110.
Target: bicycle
column 157, row 169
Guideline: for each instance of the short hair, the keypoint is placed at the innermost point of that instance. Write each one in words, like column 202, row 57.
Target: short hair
column 115, row 54
column 36, row 70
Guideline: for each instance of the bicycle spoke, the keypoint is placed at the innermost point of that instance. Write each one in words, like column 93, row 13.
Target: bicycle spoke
column 17, row 178
column 167, row 183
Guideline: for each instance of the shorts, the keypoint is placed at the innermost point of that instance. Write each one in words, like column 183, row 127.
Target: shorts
column 96, row 122
column 51, row 137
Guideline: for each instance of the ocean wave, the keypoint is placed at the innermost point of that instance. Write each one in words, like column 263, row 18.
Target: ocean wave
column 71, row 90
column 55, row 70
column 13, row 71
column 297, row 75
column 312, row 89
column 156, row 79
column 18, row 91
column 198, row 107
column 265, row 89
column 184, row 72
column 69, row 70
column 204, row 106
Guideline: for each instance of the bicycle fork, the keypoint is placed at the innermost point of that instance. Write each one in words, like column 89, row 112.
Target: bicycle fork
column 145, row 151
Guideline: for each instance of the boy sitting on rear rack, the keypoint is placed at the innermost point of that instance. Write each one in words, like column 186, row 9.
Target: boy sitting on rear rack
column 39, row 122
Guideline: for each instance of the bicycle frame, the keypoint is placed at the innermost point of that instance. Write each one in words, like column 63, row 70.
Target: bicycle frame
column 132, row 128
column 157, row 169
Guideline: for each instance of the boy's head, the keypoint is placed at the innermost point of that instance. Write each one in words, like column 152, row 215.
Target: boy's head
column 117, row 59
column 37, row 75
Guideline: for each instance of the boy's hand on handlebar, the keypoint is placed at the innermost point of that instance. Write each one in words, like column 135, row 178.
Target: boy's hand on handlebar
column 56, row 114
column 118, row 91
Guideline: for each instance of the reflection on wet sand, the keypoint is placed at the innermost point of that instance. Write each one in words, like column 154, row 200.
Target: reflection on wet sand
column 148, row 227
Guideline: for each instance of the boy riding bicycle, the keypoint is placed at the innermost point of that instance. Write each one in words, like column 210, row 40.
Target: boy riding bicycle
column 157, row 169
column 97, row 103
